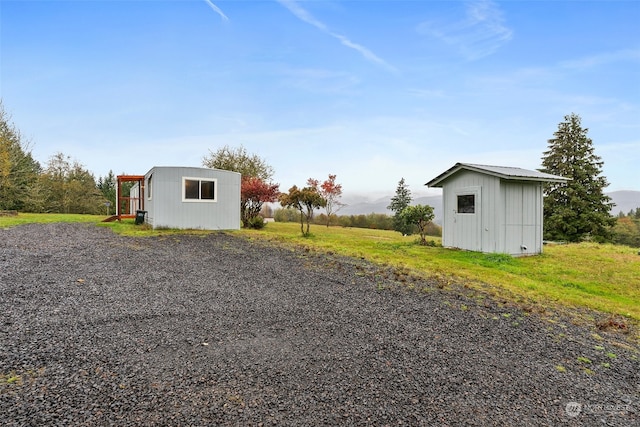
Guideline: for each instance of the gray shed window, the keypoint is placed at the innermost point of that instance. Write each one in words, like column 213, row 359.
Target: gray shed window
column 195, row 189
column 467, row 203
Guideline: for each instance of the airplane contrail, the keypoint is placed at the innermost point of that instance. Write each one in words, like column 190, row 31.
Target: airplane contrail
column 217, row 10
column 305, row 16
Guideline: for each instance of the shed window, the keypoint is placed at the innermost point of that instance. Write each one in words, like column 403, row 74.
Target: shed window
column 195, row 189
column 149, row 188
column 467, row 203
column 207, row 190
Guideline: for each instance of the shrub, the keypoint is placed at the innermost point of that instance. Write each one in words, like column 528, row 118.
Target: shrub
column 256, row 222
column 286, row 215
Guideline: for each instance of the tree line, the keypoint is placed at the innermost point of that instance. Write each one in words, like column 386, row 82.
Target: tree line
column 627, row 228
column 574, row 211
column 62, row 185
column 374, row 221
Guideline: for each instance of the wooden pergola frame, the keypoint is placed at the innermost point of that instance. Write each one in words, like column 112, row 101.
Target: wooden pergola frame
column 125, row 201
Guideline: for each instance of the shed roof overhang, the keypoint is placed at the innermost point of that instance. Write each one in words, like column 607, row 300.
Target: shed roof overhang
column 502, row 172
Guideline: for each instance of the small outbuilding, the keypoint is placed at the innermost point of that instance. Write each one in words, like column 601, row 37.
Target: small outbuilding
column 492, row 208
column 190, row 198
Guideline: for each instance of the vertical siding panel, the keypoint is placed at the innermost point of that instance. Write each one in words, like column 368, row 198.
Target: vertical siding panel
column 448, row 220
column 537, row 218
column 522, row 218
column 530, row 220
column 491, row 215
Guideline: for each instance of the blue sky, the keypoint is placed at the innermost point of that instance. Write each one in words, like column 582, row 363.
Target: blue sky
column 372, row 91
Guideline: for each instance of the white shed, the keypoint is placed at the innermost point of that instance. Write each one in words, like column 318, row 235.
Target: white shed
column 192, row 197
column 492, row 208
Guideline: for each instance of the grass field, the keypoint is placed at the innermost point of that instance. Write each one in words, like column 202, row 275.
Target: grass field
column 26, row 218
column 600, row 277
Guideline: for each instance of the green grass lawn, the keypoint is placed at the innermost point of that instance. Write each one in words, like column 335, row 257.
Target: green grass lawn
column 600, row 277
column 26, row 218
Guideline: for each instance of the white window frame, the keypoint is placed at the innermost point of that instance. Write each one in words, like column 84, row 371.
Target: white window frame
column 458, row 196
column 150, row 187
column 199, row 199
column 468, row 191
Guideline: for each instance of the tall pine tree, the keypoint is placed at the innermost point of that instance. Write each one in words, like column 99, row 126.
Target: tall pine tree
column 108, row 187
column 579, row 209
column 399, row 202
column 18, row 170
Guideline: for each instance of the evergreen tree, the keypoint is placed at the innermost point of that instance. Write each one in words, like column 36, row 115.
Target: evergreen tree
column 579, row 209
column 108, row 187
column 18, row 170
column 399, row 202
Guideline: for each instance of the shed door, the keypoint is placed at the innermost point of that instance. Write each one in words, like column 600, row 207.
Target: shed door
column 467, row 219
column 523, row 231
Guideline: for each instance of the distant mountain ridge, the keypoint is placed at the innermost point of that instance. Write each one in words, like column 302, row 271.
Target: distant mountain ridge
column 623, row 201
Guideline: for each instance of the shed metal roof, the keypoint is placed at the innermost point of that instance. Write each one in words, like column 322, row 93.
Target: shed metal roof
column 502, row 172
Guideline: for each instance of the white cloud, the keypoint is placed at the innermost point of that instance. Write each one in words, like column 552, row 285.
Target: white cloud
column 481, row 33
column 305, row 16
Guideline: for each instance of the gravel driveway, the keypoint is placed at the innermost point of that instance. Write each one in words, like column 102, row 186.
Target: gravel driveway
column 100, row 329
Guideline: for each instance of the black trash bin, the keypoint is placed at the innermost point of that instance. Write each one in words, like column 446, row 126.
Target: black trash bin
column 140, row 217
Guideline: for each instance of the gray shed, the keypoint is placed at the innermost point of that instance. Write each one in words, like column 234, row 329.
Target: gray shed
column 191, row 197
column 492, row 208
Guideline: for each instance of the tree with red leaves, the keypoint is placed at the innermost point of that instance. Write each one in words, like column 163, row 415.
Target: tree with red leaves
column 330, row 192
column 254, row 192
